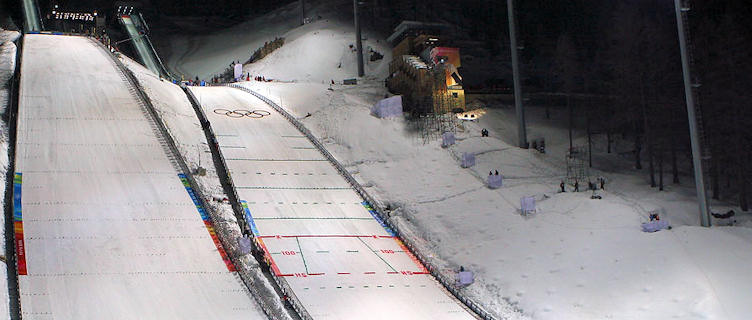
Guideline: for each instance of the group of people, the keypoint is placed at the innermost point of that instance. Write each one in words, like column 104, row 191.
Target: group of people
column 600, row 182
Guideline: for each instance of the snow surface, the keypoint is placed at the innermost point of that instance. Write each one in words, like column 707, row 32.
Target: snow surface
column 180, row 119
column 7, row 67
column 577, row 258
column 110, row 231
column 340, row 263
column 322, row 45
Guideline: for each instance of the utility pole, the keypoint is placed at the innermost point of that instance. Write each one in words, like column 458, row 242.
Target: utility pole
column 358, row 41
column 521, row 132
column 693, row 125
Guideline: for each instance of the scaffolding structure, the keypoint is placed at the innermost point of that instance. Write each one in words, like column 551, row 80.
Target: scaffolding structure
column 577, row 168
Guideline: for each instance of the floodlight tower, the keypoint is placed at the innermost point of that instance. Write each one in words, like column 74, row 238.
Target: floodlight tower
column 358, row 39
column 692, row 112
column 521, row 132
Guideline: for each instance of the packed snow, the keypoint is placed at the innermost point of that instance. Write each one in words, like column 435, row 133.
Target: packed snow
column 575, row 258
column 7, row 67
column 177, row 113
column 323, row 45
column 110, row 231
column 312, row 225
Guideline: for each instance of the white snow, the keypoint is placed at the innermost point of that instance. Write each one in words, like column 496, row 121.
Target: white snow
column 338, row 260
column 7, row 67
column 320, row 52
column 322, row 45
column 576, row 259
column 110, row 231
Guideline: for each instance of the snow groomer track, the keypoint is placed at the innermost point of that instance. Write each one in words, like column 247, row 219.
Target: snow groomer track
column 317, row 233
column 106, row 227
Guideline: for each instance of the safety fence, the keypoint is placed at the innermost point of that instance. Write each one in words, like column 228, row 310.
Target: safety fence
column 219, row 160
column 252, row 281
column 229, row 187
column 448, row 282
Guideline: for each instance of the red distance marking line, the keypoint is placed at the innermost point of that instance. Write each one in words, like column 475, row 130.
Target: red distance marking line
column 274, row 266
column 422, row 268
column 392, row 272
column 328, row 236
column 316, row 274
column 343, row 273
column 371, row 272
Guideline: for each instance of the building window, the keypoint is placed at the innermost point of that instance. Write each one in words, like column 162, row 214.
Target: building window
column 454, row 95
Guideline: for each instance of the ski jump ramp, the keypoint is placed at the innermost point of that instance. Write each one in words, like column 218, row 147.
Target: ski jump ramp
column 107, row 228
column 316, row 232
column 140, row 42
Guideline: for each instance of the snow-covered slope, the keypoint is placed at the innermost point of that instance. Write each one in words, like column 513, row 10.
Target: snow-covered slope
column 318, row 51
column 110, row 230
column 321, row 52
column 576, row 259
column 7, row 66
column 320, row 238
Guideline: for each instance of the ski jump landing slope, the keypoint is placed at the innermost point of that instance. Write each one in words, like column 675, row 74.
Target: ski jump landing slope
column 108, row 230
column 319, row 236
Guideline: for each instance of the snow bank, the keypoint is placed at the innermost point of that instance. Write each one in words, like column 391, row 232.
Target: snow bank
column 321, row 52
column 576, row 258
column 7, row 67
column 177, row 113
column 316, row 52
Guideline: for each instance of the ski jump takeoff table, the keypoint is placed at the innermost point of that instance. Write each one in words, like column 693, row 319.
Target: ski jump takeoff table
column 317, row 233
column 105, row 226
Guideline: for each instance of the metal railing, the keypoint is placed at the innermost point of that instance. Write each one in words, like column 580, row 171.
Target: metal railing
column 176, row 156
column 11, row 255
column 447, row 282
column 219, row 161
column 229, row 186
column 223, row 172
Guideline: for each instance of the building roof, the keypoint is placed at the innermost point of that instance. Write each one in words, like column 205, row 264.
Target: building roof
column 406, row 26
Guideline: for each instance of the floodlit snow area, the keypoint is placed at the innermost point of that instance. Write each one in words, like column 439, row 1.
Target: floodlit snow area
column 576, row 258
column 109, row 229
column 7, row 66
column 318, row 51
column 178, row 116
column 319, row 236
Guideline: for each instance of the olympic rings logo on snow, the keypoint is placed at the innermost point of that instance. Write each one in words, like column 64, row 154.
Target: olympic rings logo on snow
column 239, row 113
